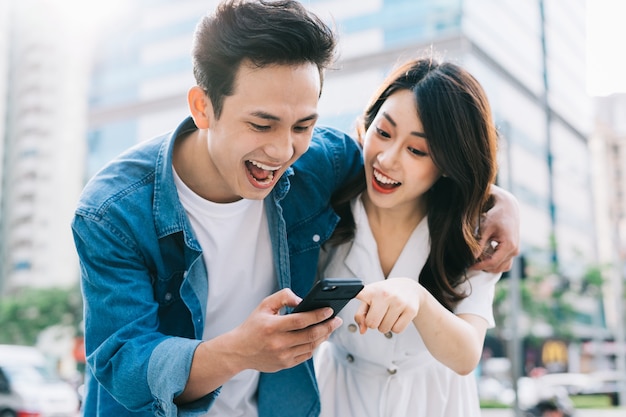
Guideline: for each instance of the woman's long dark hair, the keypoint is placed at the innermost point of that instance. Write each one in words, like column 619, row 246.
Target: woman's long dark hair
column 461, row 134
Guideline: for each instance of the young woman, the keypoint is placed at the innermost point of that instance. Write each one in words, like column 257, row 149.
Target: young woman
column 429, row 145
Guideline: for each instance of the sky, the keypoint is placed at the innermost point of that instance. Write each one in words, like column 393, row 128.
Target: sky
column 606, row 47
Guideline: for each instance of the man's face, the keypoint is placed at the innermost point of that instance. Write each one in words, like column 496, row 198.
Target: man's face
column 264, row 127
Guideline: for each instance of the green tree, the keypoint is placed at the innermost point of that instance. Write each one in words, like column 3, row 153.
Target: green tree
column 543, row 298
column 548, row 297
column 25, row 314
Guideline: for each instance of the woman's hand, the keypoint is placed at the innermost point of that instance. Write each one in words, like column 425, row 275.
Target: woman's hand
column 393, row 304
column 389, row 305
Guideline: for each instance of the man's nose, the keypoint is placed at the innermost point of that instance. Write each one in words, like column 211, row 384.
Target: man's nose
column 280, row 147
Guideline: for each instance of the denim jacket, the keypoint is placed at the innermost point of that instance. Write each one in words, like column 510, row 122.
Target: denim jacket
column 145, row 283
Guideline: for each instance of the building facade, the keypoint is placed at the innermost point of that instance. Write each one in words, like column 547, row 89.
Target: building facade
column 43, row 129
column 608, row 151
column 4, row 59
column 525, row 54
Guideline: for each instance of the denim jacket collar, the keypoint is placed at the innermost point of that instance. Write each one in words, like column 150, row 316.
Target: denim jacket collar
column 166, row 199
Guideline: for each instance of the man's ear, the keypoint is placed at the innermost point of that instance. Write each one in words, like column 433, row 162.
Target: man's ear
column 200, row 107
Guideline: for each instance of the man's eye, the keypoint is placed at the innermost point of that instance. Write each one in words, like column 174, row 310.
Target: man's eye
column 260, row 128
column 301, row 129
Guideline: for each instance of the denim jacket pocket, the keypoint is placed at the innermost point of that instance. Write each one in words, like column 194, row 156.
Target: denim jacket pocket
column 167, row 290
column 312, row 232
column 305, row 241
column 173, row 312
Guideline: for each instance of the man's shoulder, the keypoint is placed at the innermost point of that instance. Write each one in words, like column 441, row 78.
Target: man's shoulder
column 330, row 136
column 333, row 158
column 328, row 144
column 124, row 175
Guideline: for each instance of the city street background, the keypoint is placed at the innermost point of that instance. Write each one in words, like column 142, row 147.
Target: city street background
column 81, row 81
column 579, row 413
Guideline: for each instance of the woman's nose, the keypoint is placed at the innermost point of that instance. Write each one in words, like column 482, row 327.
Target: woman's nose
column 388, row 157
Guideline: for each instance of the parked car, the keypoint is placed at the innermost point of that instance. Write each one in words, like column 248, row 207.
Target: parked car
column 575, row 383
column 546, row 399
column 29, row 387
column 595, row 383
column 607, row 382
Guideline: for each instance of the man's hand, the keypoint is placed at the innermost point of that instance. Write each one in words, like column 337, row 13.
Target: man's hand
column 499, row 233
column 267, row 341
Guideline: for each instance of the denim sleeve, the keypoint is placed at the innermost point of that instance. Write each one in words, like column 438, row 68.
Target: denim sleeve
column 164, row 378
column 143, row 369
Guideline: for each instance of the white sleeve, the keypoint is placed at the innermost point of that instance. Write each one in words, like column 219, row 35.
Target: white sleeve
column 480, row 286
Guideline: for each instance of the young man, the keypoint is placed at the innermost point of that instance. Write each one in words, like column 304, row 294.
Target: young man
column 185, row 262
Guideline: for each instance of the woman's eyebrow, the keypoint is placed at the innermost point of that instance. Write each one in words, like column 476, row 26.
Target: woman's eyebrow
column 394, row 124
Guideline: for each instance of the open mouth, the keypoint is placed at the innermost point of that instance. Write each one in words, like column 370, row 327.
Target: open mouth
column 383, row 182
column 261, row 173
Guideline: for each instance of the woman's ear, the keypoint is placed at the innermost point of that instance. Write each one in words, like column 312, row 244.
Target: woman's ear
column 200, row 107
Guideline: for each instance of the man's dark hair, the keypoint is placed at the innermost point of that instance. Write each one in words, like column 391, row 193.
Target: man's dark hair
column 259, row 32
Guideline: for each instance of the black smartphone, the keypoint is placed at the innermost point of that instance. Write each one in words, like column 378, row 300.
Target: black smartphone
column 330, row 292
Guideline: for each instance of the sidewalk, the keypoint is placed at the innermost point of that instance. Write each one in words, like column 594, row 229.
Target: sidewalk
column 614, row 412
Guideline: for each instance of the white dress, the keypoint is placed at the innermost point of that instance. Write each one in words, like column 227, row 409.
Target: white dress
column 385, row 375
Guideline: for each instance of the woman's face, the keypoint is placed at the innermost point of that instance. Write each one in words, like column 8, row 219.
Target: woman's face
column 398, row 165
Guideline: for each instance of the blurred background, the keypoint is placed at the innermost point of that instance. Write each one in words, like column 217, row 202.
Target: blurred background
column 80, row 81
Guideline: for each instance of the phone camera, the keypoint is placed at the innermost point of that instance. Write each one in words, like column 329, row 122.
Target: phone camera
column 329, row 288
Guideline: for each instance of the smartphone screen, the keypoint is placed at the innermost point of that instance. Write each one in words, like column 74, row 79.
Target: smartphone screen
column 330, row 292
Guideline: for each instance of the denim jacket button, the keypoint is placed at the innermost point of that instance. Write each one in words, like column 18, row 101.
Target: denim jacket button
column 168, row 296
column 316, row 238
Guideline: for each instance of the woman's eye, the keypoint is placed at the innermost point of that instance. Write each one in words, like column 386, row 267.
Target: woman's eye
column 301, row 129
column 417, row 152
column 382, row 133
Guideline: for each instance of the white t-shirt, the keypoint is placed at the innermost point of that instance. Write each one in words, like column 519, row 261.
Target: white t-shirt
column 237, row 251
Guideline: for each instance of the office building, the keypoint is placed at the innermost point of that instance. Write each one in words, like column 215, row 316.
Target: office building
column 608, row 146
column 45, row 78
column 525, row 54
